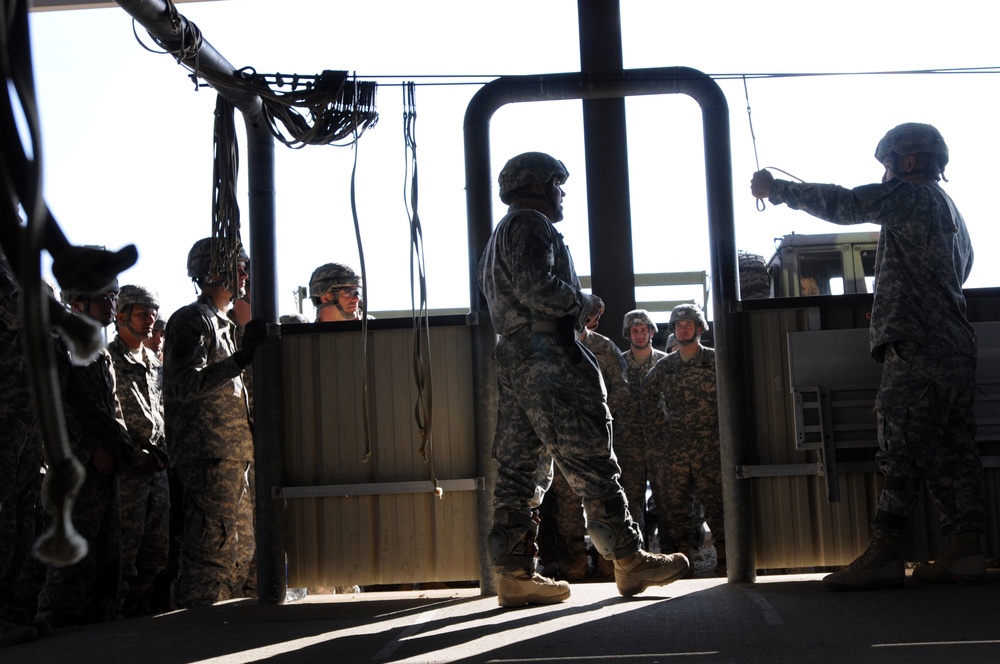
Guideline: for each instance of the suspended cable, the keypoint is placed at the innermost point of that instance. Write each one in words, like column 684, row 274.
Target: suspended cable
column 365, row 392
column 753, row 137
column 423, row 409
column 760, row 201
column 225, row 206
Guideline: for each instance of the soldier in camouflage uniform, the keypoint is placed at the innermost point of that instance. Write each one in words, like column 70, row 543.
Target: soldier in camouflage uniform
column 335, row 291
column 551, row 398
column 682, row 386
column 155, row 340
column 571, row 555
column 206, row 411
column 145, row 494
column 641, row 437
column 20, row 459
column 88, row 590
column 919, row 330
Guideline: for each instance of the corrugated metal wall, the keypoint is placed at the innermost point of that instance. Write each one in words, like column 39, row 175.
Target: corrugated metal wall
column 385, row 538
column 794, row 524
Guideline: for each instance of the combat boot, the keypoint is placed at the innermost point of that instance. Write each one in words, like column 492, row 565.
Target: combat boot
column 577, row 567
column 636, row 572
column 963, row 562
column 522, row 587
column 880, row 566
column 11, row 633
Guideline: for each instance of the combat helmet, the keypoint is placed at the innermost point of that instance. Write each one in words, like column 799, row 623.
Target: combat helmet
column 913, row 138
column 199, row 261
column 72, row 294
column 527, row 169
column 330, row 277
column 134, row 294
column 687, row 312
column 637, row 317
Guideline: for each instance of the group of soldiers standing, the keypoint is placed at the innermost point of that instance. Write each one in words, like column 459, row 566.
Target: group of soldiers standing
column 166, row 526
column 666, row 438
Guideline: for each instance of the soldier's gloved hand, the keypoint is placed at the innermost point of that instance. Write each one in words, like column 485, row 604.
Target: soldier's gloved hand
column 595, row 311
column 254, row 334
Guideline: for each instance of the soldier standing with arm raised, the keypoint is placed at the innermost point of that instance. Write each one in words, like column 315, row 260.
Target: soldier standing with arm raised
column 919, row 330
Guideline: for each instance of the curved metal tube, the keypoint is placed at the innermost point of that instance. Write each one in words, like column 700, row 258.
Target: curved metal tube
column 724, row 265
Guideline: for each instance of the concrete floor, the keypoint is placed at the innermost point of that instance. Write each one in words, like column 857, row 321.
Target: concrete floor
column 777, row 619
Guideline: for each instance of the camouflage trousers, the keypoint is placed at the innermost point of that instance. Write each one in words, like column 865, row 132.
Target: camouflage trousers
column 217, row 544
column 695, row 467
column 20, row 489
column 552, row 407
column 642, row 453
column 926, row 430
column 145, row 499
column 88, row 590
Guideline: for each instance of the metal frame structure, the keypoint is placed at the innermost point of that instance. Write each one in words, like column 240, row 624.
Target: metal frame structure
column 724, row 262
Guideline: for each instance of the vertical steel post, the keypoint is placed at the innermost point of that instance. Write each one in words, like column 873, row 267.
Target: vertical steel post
column 605, row 138
column 268, row 427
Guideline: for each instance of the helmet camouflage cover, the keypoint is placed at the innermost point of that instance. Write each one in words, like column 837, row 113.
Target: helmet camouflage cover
column 331, row 276
column 687, row 312
column 133, row 294
column 199, row 260
column 527, row 169
column 637, row 317
column 72, row 294
column 913, row 138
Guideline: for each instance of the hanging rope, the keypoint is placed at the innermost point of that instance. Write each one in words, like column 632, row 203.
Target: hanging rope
column 225, row 207
column 337, row 106
column 365, row 397
column 753, row 137
column 423, row 409
column 190, row 40
column 760, row 201
column 316, row 110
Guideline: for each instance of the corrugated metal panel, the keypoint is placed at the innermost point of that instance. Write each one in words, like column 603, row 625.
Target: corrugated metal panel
column 795, row 526
column 380, row 539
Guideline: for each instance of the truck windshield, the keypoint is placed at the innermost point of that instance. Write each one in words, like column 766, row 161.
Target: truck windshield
column 821, row 273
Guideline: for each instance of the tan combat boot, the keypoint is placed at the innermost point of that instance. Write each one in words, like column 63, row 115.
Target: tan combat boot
column 522, row 587
column 880, row 566
column 11, row 633
column 577, row 567
column 635, row 573
column 963, row 562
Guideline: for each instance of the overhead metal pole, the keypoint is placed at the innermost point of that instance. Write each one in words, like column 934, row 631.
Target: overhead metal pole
column 268, row 424
column 605, row 136
column 725, row 276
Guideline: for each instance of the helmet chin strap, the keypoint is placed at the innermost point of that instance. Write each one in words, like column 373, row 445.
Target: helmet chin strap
column 346, row 315
column 335, row 302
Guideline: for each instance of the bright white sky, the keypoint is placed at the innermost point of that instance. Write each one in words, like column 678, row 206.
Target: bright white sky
column 128, row 142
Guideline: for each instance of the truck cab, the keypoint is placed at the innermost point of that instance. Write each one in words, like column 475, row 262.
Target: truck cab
column 824, row 264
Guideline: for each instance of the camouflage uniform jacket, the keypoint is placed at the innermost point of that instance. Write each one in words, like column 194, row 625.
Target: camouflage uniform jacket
column 527, row 274
column 924, row 256
column 204, row 400
column 93, row 412
column 686, row 393
column 613, row 367
column 139, row 393
column 633, row 425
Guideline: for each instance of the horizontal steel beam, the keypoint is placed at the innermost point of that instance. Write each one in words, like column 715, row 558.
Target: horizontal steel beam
column 375, row 489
